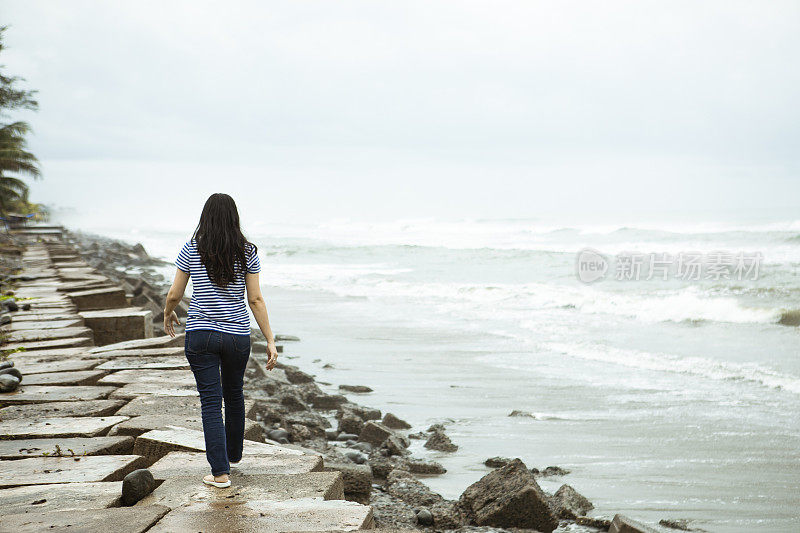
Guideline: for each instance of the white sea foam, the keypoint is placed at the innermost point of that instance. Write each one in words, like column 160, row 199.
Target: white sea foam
column 660, row 362
column 375, row 281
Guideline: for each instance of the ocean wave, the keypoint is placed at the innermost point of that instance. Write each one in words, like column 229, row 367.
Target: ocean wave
column 698, row 366
column 529, row 234
column 370, row 281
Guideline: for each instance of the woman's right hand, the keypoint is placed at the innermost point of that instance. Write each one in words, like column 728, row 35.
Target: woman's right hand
column 170, row 321
column 272, row 355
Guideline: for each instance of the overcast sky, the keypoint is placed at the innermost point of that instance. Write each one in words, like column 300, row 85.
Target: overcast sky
column 318, row 110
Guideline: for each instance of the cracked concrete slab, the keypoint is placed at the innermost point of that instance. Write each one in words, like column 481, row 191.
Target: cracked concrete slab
column 83, row 426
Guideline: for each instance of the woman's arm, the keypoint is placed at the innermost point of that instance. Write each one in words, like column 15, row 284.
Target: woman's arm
column 174, row 297
column 259, row 308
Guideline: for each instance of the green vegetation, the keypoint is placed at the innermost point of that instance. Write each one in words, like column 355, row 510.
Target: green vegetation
column 15, row 160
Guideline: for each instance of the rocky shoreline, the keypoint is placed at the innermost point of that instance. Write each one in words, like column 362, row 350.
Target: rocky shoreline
column 370, row 448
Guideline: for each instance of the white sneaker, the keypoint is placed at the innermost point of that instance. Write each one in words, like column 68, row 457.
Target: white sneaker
column 209, row 480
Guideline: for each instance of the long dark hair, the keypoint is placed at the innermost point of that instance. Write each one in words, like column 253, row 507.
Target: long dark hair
column 219, row 239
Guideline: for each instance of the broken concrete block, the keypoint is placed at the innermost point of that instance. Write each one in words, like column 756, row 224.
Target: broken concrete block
column 118, row 325
column 112, row 520
column 157, row 443
column 65, row 446
column 303, row 514
column 176, row 464
column 32, row 428
column 62, row 409
column 108, row 298
column 509, row 497
column 60, row 497
column 177, row 491
column 46, row 393
column 84, row 469
column 78, row 377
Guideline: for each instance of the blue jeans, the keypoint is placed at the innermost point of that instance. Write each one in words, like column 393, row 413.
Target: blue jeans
column 211, row 353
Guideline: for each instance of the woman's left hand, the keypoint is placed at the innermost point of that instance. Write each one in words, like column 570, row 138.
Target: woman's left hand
column 272, row 355
column 169, row 323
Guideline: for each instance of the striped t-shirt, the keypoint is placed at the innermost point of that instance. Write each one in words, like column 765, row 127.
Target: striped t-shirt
column 214, row 307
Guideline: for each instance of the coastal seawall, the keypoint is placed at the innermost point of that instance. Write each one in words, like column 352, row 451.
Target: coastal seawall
column 104, row 393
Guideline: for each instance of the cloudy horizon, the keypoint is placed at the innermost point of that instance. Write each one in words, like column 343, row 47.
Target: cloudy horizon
column 313, row 110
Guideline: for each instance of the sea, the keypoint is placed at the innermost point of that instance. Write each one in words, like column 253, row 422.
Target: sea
column 654, row 357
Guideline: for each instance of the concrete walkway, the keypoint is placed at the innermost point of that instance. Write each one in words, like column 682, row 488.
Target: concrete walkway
column 85, row 415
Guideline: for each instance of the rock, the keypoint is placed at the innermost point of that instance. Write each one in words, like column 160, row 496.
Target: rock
column 331, row 434
column 137, row 485
column 300, row 433
column 365, row 413
column 295, row 375
column 11, row 371
column 623, row 524
column 286, row 338
column 293, row 403
column 365, row 447
column 681, row 524
column 422, row 466
column 591, row 521
column 279, row 435
column 394, row 445
column 521, row 413
column 327, row 401
column 424, row 517
column 419, row 435
column 8, row 383
column 374, row 433
column 381, row 466
column 391, row 421
column 448, row 514
column 355, row 388
column 344, row 437
column 11, row 305
column 401, row 484
column 509, row 497
column 26, row 307
column 357, row 457
column 435, row 427
column 139, row 251
column 551, row 471
column 6, row 364
column 568, row 503
column 315, row 423
column 357, row 479
column 440, row 442
column 350, row 422
column 496, row 461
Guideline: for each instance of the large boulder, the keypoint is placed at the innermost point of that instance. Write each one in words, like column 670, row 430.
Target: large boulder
column 357, row 479
column 8, row 383
column 327, row 401
column 394, row 445
column 295, row 375
column 375, row 433
column 402, row 484
column 568, row 503
column 365, row 413
column 509, row 497
column 391, row 421
column 137, row 485
column 440, row 442
column 350, row 422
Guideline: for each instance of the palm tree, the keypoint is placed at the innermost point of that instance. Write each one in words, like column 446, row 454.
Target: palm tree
column 15, row 159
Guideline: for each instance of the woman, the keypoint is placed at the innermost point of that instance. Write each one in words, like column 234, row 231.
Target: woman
column 222, row 264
